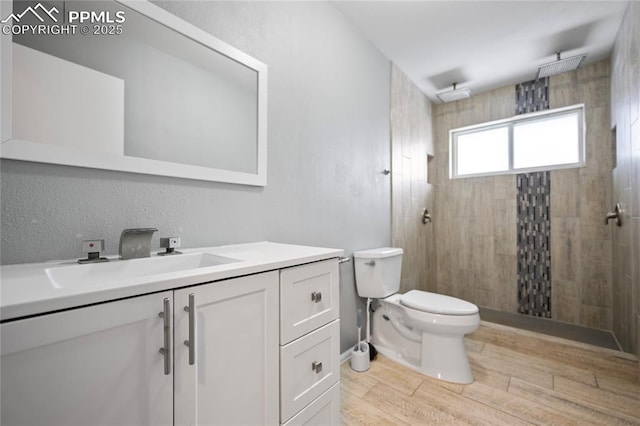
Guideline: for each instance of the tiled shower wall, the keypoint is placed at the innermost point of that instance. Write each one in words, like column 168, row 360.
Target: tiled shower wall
column 411, row 192
column 475, row 218
column 580, row 198
column 625, row 115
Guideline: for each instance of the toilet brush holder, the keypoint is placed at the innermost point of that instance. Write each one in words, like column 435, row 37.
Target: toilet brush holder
column 360, row 357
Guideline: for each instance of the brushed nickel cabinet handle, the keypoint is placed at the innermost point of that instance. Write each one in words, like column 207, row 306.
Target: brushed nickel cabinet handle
column 191, row 343
column 166, row 350
column 316, row 296
column 316, row 366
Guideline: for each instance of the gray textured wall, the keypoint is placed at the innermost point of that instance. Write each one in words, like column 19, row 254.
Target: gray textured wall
column 328, row 144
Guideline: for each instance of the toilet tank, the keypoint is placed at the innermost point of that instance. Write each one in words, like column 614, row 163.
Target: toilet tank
column 378, row 271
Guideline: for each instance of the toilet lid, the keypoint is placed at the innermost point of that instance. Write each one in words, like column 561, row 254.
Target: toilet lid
column 437, row 303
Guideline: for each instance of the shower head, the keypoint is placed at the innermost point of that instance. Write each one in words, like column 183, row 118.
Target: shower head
column 560, row 65
column 454, row 94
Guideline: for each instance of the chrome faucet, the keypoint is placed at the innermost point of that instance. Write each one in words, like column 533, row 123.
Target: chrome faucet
column 135, row 243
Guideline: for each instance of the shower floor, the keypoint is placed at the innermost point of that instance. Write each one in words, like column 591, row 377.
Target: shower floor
column 578, row 333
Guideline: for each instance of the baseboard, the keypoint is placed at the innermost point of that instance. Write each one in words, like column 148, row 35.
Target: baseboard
column 345, row 356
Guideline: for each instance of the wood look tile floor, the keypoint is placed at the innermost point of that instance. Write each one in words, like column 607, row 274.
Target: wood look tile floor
column 521, row 377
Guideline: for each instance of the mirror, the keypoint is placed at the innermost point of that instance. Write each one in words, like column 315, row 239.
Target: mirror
column 125, row 85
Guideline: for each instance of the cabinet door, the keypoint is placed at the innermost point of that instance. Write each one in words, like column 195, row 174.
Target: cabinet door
column 234, row 375
column 98, row 365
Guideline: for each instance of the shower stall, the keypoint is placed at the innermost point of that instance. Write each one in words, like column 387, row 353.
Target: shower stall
column 532, row 249
column 532, row 246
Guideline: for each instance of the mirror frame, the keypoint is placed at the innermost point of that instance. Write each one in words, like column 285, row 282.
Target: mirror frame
column 16, row 149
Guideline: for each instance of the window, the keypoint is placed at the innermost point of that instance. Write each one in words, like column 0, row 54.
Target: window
column 545, row 140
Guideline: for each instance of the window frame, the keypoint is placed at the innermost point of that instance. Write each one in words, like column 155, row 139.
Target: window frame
column 509, row 123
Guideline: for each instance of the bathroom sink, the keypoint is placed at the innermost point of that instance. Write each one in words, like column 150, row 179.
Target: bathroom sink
column 100, row 273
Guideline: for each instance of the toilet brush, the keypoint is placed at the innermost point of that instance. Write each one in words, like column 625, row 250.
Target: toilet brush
column 359, row 355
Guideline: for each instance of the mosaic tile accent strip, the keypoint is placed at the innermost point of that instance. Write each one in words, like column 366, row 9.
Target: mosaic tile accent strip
column 532, row 96
column 534, row 247
column 534, row 218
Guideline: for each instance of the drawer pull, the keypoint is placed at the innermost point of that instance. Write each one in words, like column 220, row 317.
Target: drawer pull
column 316, row 296
column 316, row 366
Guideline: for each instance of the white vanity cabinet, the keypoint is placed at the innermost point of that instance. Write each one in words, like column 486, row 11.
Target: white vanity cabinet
column 253, row 341
column 229, row 374
column 97, row 365
column 101, row 365
column 310, row 344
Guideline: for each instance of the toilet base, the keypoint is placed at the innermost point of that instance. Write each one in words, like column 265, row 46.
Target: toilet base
column 463, row 373
column 407, row 346
column 450, row 362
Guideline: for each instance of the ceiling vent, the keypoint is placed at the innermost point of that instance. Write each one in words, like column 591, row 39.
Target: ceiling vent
column 454, row 94
column 560, row 65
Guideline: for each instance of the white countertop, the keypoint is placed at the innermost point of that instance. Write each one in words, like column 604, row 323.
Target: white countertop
column 26, row 289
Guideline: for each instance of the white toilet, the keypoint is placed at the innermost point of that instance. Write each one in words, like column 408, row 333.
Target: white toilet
column 424, row 331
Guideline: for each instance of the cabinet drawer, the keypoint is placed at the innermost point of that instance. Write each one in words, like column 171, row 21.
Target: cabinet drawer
column 323, row 411
column 308, row 298
column 308, row 367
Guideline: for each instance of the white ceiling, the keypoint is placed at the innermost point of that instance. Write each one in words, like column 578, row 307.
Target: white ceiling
column 480, row 44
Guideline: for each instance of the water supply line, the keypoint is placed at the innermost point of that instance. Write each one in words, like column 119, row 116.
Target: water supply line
column 373, row 352
column 368, row 320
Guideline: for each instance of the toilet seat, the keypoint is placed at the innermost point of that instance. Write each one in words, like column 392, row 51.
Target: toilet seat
column 437, row 303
